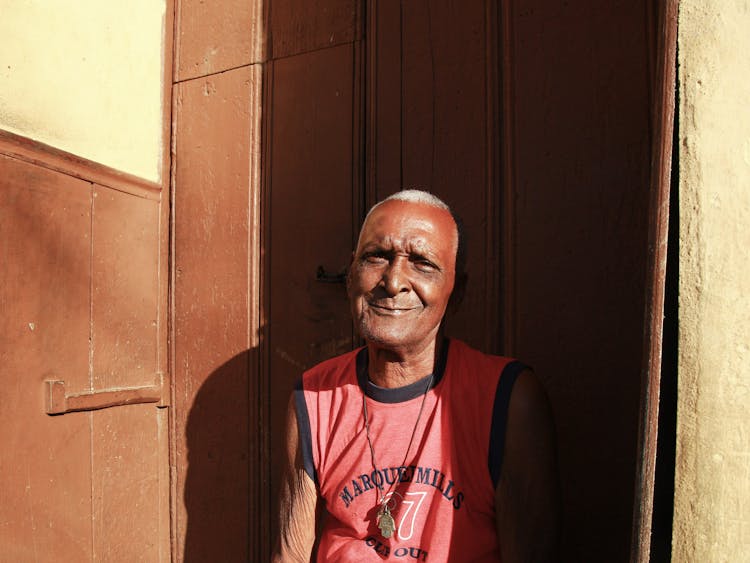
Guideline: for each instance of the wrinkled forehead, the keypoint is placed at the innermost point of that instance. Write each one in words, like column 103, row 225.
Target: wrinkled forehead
column 395, row 219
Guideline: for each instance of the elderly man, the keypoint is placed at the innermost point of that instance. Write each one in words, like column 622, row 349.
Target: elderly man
column 416, row 446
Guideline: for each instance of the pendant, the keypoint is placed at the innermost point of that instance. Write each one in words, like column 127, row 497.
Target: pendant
column 385, row 522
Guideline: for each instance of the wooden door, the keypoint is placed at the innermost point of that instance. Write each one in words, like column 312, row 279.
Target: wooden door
column 554, row 196
column 358, row 100
column 84, row 452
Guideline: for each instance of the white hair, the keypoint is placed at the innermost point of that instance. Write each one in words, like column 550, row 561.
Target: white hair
column 413, row 196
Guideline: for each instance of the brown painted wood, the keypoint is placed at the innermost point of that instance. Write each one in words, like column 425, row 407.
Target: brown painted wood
column 45, row 251
column 578, row 91
column 129, row 513
column 212, row 37
column 77, row 257
column 215, row 315
column 299, row 26
column 124, row 323
column 125, row 289
column 661, row 159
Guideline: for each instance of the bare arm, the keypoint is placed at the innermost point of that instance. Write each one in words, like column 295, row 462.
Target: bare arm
column 298, row 501
column 527, row 498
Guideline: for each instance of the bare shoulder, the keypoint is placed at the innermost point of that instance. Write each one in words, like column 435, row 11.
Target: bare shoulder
column 528, row 496
column 529, row 407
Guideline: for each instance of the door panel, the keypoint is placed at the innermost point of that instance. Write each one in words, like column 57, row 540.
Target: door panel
column 45, row 250
column 129, row 489
column 125, row 289
column 82, row 268
column 579, row 90
column 127, row 441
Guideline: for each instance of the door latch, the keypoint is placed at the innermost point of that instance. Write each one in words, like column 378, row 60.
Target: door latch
column 59, row 400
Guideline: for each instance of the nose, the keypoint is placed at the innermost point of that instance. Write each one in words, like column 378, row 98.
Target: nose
column 395, row 277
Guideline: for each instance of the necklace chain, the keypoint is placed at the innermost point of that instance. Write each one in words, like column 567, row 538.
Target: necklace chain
column 383, row 498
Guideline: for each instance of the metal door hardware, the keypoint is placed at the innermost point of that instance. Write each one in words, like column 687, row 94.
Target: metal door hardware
column 59, row 400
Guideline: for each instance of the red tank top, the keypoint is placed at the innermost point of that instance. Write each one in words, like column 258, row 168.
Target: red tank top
column 443, row 495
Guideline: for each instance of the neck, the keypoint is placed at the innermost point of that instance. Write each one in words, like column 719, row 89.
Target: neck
column 393, row 368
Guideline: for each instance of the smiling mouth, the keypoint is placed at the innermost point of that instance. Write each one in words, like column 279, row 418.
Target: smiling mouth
column 391, row 310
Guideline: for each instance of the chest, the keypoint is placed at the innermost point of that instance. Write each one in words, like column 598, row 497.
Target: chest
column 425, row 457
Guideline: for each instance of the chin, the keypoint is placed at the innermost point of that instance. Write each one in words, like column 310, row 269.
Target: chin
column 390, row 339
column 386, row 338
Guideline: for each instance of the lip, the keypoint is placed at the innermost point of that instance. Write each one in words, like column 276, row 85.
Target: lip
column 389, row 310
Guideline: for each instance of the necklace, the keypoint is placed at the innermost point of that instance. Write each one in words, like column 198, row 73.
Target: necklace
column 384, row 519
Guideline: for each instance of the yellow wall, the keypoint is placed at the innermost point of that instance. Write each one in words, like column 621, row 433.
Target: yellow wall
column 712, row 481
column 86, row 77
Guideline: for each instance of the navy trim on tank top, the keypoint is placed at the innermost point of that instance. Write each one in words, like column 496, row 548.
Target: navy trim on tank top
column 508, row 377
column 305, row 434
column 399, row 394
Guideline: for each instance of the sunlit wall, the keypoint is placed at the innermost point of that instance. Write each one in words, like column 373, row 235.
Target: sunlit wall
column 86, row 77
column 712, row 480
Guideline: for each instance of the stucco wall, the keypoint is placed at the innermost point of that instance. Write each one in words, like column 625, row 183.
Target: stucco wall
column 712, row 487
column 86, row 77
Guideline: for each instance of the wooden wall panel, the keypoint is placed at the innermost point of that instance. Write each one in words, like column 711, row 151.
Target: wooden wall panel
column 311, row 201
column 125, row 320
column 125, row 284
column 579, row 79
column 45, row 252
column 128, row 516
column 217, row 139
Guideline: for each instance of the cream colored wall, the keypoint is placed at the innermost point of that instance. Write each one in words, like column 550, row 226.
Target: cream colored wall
column 712, row 487
column 86, row 77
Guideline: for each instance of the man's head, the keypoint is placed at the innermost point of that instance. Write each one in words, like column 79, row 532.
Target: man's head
column 404, row 270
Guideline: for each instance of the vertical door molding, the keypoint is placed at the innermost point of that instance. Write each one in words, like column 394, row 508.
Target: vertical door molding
column 509, row 285
column 662, row 126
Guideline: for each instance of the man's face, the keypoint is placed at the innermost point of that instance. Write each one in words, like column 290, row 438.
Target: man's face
column 402, row 274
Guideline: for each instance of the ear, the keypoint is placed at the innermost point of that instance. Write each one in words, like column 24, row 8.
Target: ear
column 457, row 295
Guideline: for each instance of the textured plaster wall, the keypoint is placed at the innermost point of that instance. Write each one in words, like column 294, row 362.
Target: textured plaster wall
column 86, row 77
column 712, row 496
